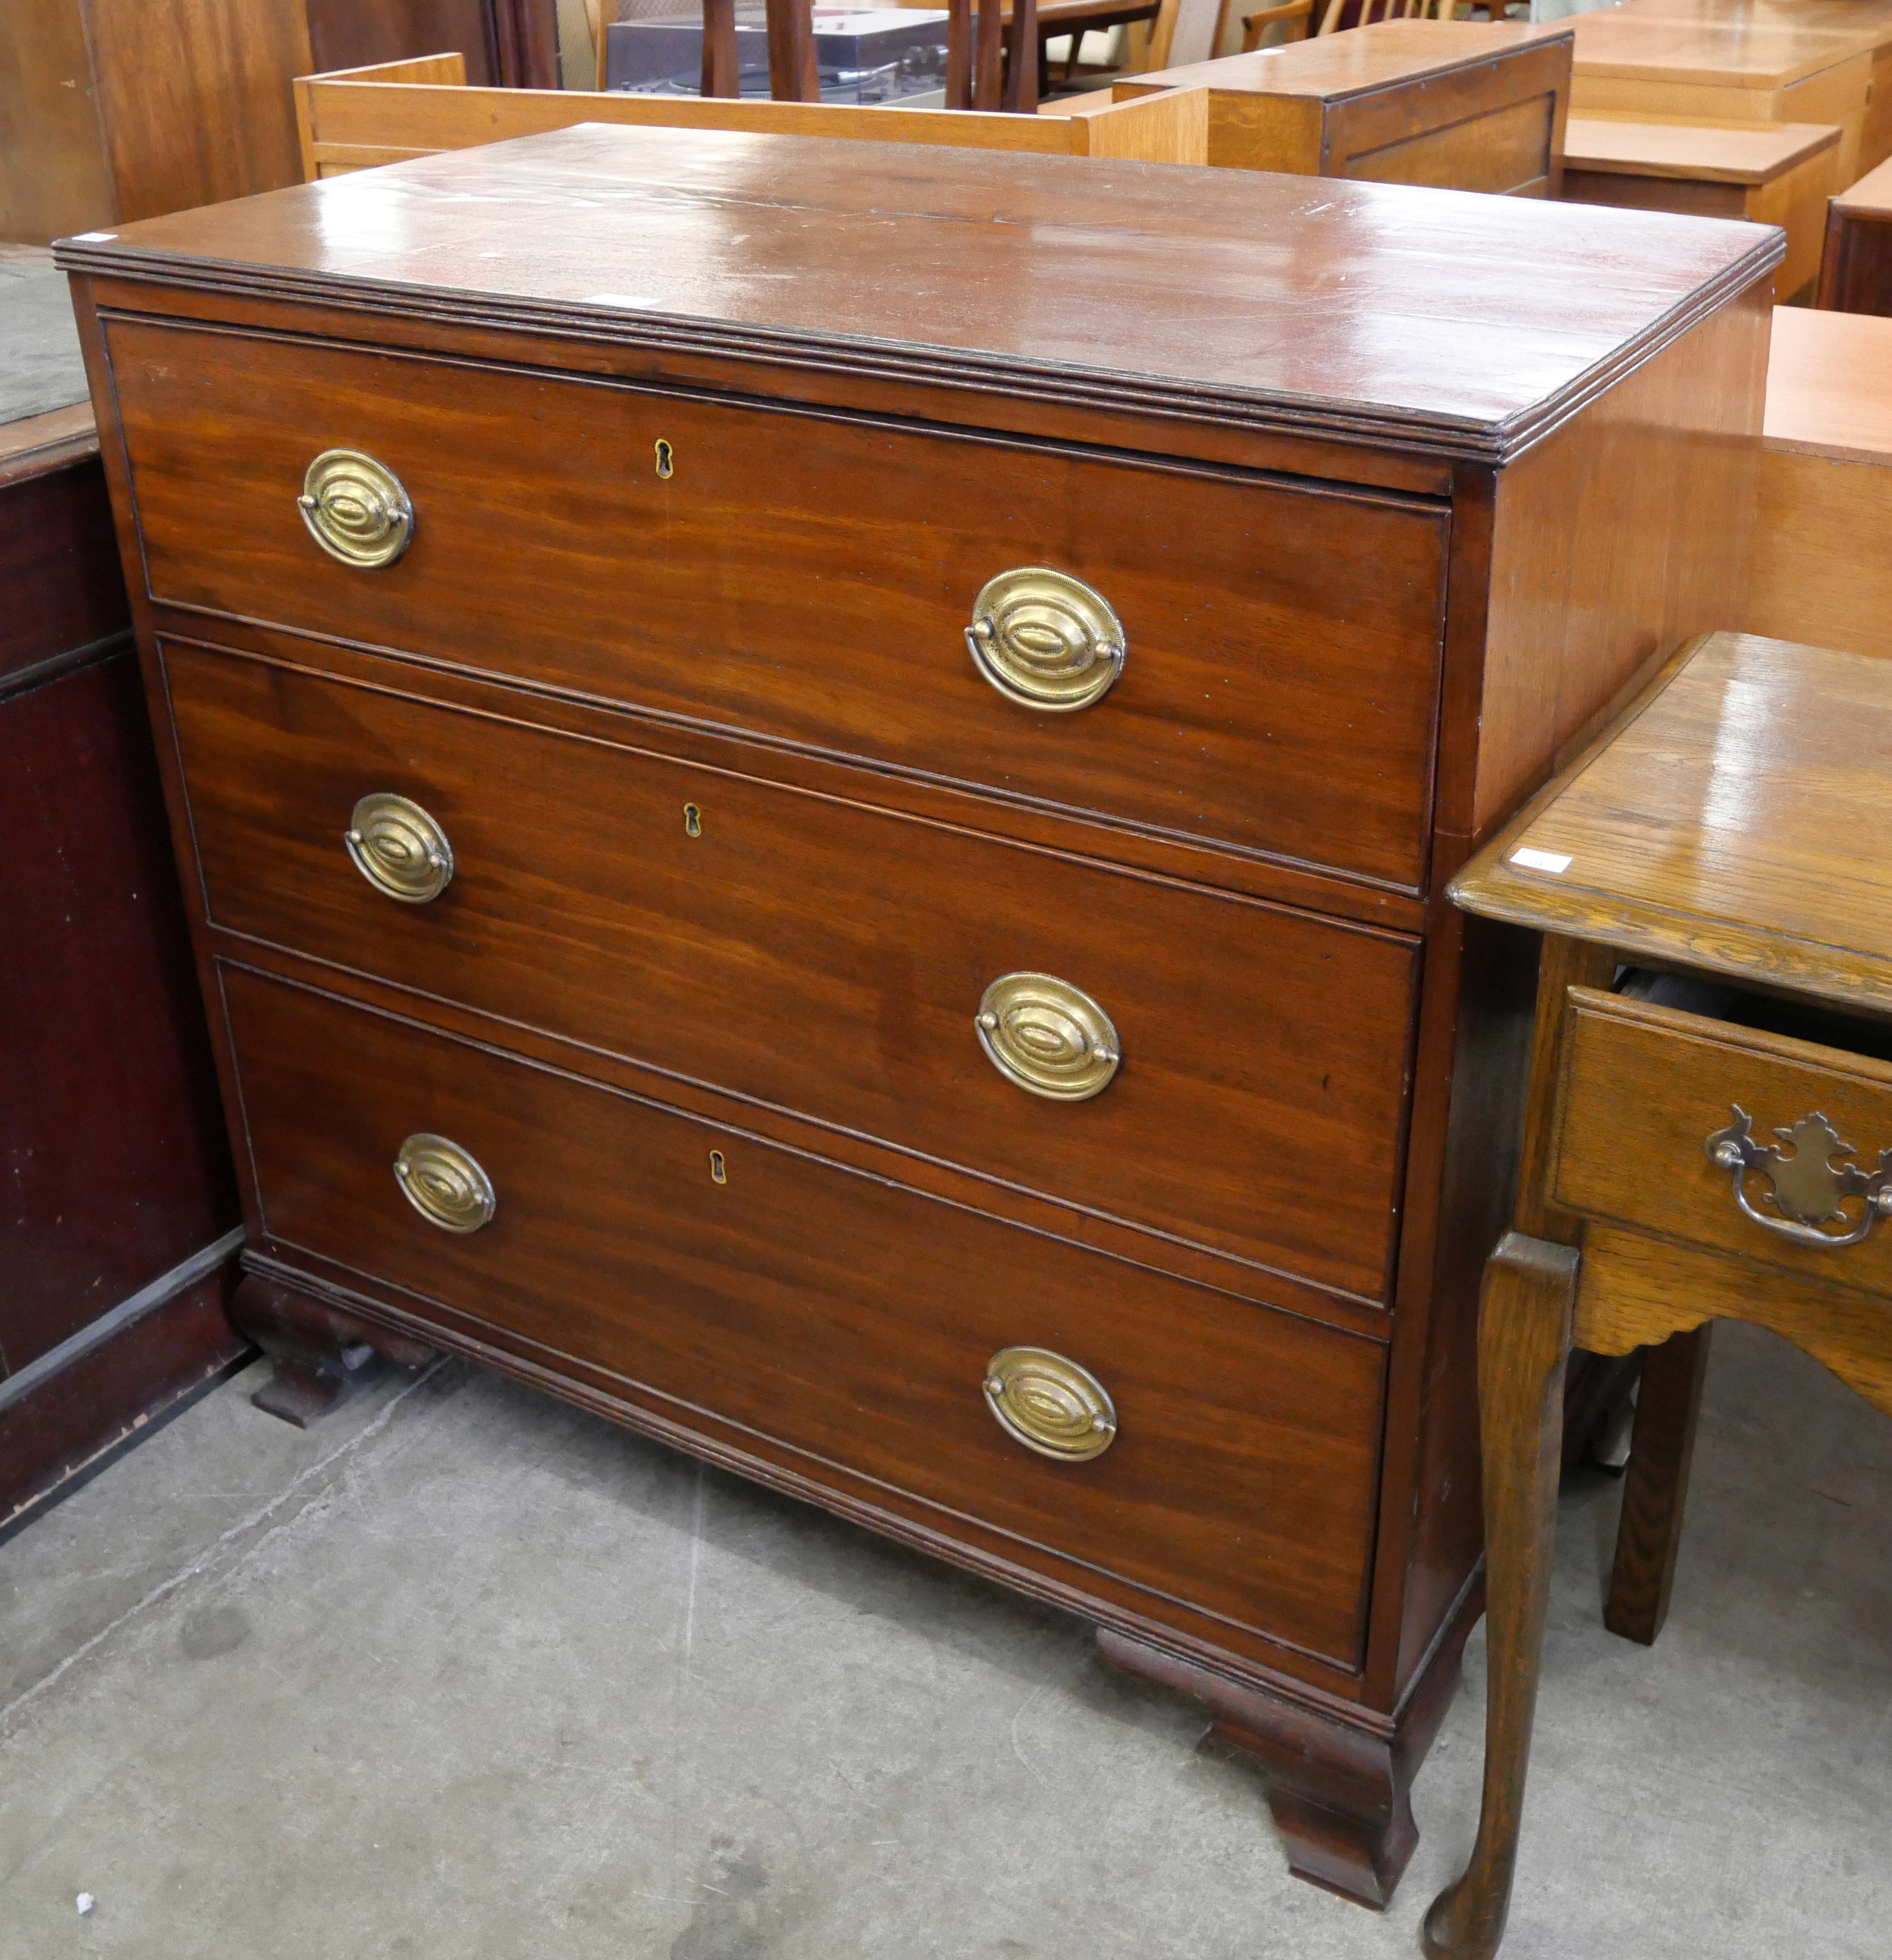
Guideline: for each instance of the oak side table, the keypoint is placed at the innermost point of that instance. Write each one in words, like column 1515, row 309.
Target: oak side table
column 1708, row 1130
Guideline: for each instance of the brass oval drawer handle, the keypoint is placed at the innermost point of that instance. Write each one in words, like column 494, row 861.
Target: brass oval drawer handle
column 1806, row 1188
column 1046, row 639
column 444, row 1183
column 1048, row 1037
column 1050, row 1404
column 399, row 849
column 356, row 508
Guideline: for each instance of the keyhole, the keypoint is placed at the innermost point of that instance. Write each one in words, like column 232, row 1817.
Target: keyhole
column 719, row 1170
column 665, row 458
column 692, row 820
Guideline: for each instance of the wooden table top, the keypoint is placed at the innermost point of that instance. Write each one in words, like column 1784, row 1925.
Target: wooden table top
column 1871, row 196
column 1448, row 324
column 1829, row 385
column 1729, row 53
column 1754, row 154
column 1866, row 23
column 1332, row 66
column 1736, row 821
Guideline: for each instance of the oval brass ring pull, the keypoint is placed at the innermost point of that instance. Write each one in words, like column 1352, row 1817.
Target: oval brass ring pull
column 444, row 1184
column 1046, row 639
column 1048, row 1037
column 1050, row 1403
column 1805, row 1189
column 356, row 508
column 399, row 849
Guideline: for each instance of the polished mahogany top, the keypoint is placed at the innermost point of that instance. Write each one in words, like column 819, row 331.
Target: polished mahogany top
column 1467, row 326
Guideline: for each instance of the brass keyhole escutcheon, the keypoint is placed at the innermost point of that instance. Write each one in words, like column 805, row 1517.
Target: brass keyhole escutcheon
column 1049, row 1037
column 444, row 1183
column 356, row 508
column 719, row 1168
column 399, row 849
column 692, row 820
column 1050, row 1403
column 1046, row 639
column 667, row 459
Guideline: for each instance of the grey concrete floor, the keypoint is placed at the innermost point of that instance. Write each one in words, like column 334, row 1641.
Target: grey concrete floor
column 462, row 1672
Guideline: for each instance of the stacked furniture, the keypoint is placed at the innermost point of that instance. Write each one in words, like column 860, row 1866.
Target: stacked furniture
column 850, row 871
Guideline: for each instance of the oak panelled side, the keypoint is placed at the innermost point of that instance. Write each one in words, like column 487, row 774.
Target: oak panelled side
column 708, row 579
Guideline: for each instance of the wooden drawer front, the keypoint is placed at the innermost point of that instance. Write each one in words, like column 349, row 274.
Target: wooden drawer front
column 813, row 579
column 846, row 1317
column 827, row 957
column 1646, row 1087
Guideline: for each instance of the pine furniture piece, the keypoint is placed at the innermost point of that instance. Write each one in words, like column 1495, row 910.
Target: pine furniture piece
column 1819, row 565
column 1457, row 104
column 819, row 820
column 116, row 110
column 1865, row 24
column 1855, row 273
column 116, row 1241
column 358, row 121
column 1709, row 1135
column 1714, row 71
column 1770, row 175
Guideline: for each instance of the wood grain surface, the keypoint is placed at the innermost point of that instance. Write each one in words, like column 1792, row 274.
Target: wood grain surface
column 846, row 1316
column 828, row 958
column 1462, row 327
column 1721, row 827
column 1856, row 276
column 1279, row 693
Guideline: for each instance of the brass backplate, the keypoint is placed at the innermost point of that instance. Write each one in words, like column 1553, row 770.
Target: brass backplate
column 356, row 508
column 1046, row 639
column 399, row 849
column 1048, row 1036
column 444, row 1183
column 1050, row 1403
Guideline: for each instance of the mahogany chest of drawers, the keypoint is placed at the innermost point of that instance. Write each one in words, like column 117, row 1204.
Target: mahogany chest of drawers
column 817, row 782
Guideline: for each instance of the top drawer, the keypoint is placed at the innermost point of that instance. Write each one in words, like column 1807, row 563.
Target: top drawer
column 812, row 579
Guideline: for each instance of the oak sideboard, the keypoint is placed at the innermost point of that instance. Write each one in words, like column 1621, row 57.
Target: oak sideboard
column 817, row 782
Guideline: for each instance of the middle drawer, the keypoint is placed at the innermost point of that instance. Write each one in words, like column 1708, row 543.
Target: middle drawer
column 831, row 958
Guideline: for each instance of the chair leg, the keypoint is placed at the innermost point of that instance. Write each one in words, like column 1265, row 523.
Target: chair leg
column 1655, row 1486
column 1524, row 1344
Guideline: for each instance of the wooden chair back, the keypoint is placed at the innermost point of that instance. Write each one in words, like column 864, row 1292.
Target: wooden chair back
column 1185, row 32
column 1390, row 10
column 1294, row 14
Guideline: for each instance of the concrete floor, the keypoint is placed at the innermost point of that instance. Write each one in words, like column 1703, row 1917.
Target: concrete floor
column 462, row 1672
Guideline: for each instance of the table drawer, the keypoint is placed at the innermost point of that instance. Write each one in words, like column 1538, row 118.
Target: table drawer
column 1646, row 1087
column 844, row 1317
column 812, row 579
column 827, row 957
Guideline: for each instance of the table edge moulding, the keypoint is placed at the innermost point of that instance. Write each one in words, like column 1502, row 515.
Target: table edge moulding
column 1536, row 399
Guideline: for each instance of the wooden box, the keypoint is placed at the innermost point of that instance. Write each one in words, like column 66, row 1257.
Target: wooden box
column 1457, row 104
column 847, row 755
column 1856, row 272
column 1774, row 175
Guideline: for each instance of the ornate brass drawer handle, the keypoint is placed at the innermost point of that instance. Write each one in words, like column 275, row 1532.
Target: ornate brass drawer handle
column 444, row 1183
column 355, row 508
column 1806, row 1187
column 1050, row 1403
column 1048, row 1037
column 399, row 849
column 1046, row 639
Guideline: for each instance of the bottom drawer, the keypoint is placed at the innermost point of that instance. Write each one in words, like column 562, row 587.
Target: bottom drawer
column 846, row 1317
